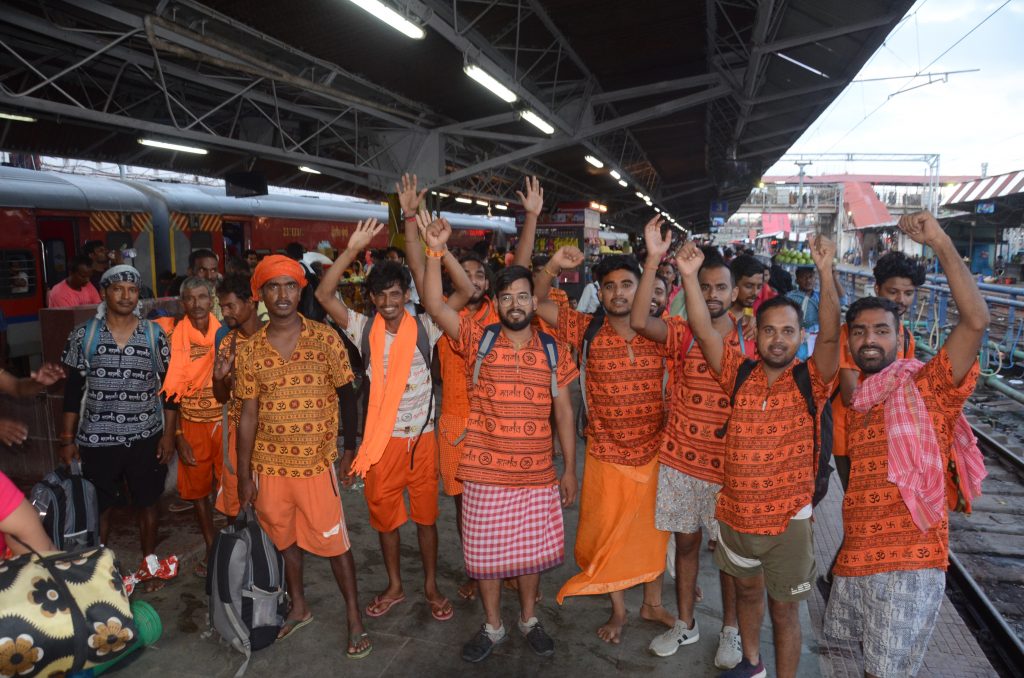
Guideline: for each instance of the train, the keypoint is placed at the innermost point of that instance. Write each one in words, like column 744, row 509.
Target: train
column 47, row 217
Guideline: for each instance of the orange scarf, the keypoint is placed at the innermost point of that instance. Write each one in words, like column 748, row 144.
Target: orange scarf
column 186, row 377
column 386, row 390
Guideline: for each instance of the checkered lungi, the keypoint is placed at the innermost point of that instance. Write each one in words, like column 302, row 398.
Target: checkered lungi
column 511, row 531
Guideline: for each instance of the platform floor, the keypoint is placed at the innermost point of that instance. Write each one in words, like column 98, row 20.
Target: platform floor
column 408, row 642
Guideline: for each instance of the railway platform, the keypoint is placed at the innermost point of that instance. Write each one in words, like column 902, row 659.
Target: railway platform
column 408, row 642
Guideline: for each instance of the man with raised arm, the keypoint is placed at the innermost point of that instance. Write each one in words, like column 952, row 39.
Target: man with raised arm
column 511, row 505
column 617, row 544
column 912, row 455
column 398, row 454
column 287, row 376
column 691, row 454
column 770, row 462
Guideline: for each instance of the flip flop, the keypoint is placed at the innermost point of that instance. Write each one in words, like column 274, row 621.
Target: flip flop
column 437, row 607
column 293, row 625
column 381, row 606
column 467, row 591
column 354, row 641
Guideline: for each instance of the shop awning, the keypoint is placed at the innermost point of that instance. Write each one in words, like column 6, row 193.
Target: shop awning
column 988, row 188
column 862, row 202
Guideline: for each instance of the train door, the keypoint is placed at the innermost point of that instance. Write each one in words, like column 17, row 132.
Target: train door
column 58, row 236
column 236, row 238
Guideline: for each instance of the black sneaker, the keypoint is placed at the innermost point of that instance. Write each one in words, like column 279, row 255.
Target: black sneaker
column 824, row 587
column 539, row 641
column 480, row 645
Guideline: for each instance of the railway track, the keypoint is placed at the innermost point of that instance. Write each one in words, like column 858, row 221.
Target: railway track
column 986, row 569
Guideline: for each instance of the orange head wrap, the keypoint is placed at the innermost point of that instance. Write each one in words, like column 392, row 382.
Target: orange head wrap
column 273, row 266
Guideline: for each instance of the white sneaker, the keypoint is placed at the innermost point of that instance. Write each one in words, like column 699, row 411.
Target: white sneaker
column 666, row 644
column 730, row 652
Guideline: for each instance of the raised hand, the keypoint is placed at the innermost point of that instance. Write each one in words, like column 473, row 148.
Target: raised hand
column 364, row 234
column 657, row 244
column 434, row 233
column 12, row 432
column 921, row 227
column 408, row 198
column 533, row 199
column 48, row 374
column 689, row 259
column 823, row 251
column 567, row 257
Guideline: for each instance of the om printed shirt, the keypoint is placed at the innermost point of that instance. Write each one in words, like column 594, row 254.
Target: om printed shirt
column 880, row 535
column 626, row 406
column 508, row 439
column 769, row 447
column 237, row 338
column 699, row 407
column 296, row 435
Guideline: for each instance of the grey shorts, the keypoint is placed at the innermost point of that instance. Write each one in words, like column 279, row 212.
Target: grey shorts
column 787, row 559
column 685, row 503
column 892, row 615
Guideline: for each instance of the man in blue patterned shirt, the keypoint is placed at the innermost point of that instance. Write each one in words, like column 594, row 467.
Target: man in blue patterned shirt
column 113, row 413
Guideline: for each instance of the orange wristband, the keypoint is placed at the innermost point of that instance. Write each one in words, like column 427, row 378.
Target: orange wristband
column 435, row 254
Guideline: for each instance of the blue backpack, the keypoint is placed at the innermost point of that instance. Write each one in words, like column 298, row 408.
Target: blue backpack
column 490, row 336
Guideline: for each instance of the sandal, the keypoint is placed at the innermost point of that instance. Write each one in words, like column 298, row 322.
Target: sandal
column 292, row 625
column 353, row 643
column 381, row 606
column 438, row 609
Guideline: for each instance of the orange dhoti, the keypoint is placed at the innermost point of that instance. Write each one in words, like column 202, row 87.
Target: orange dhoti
column 196, row 482
column 617, row 545
column 227, row 490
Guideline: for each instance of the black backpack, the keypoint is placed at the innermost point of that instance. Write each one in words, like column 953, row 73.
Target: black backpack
column 68, row 508
column 822, row 423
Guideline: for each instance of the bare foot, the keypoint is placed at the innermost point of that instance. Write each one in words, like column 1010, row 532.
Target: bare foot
column 467, row 591
column 611, row 632
column 657, row 613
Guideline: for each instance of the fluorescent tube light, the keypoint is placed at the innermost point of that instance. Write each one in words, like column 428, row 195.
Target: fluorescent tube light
column 17, row 118
column 465, row 201
column 641, row 195
column 391, row 18
column 538, row 122
column 482, row 203
column 310, row 170
column 173, row 147
column 490, row 82
column 501, row 206
column 593, row 161
column 442, row 195
column 615, row 175
column 622, row 182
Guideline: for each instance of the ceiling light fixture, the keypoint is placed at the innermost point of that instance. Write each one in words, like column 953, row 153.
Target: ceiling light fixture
column 464, row 201
column 173, row 147
column 615, row 175
column 482, row 203
column 501, row 206
column 442, row 195
column 538, row 122
column 305, row 168
column 391, row 18
column 491, row 83
column 593, row 161
column 622, row 182
column 17, row 118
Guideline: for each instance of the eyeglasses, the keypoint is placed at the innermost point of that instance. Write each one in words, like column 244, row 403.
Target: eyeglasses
column 522, row 299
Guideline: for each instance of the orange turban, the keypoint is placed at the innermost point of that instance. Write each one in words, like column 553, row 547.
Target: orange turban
column 273, row 266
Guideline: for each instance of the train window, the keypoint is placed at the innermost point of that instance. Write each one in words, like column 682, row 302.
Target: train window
column 55, row 260
column 17, row 273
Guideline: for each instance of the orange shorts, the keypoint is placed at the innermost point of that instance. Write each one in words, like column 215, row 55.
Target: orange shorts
column 227, row 490
column 450, row 427
column 196, row 482
column 302, row 511
column 403, row 466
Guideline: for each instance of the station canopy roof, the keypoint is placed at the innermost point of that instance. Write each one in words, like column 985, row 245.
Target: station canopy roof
column 689, row 101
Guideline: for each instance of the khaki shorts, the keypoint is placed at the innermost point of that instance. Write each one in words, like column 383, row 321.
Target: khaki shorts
column 787, row 559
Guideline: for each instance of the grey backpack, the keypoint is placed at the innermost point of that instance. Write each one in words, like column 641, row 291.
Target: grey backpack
column 68, row 508
column 245, row 582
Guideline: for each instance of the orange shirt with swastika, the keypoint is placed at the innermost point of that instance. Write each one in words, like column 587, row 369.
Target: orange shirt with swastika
column 626, row 406
column 297, row 431
column 698, row 407
column 508, row 439
column 846, row 362
column 769, row 447
column 455, row 370
column 880, row 535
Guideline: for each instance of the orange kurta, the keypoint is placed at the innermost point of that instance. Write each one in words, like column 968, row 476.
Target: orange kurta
column 617, row 545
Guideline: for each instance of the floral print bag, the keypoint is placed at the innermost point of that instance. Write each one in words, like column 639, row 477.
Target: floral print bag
column 62, row 613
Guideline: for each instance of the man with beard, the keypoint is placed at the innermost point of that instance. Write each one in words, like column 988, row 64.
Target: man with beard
column 287, row 378
column 617, row 545
column 188, row 388
column 511, row 509
column 769, row 468
column 912, row 454
column 115, row 363
column 242, row 322
column 691, row 455
column 748, row 273
column 398, row 454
